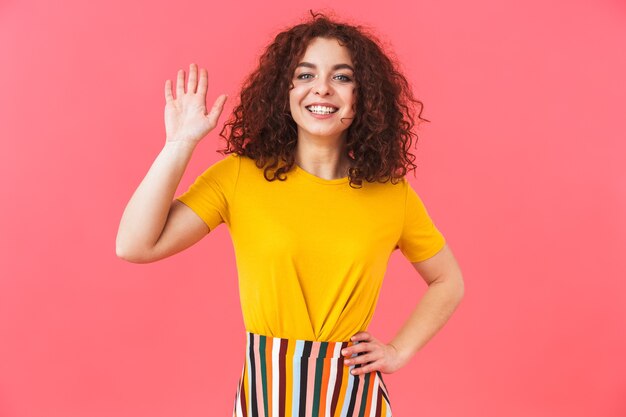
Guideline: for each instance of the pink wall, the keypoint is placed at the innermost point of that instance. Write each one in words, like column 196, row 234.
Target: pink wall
column 522, row 168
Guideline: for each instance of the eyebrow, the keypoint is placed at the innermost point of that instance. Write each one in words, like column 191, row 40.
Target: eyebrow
column 335, row 67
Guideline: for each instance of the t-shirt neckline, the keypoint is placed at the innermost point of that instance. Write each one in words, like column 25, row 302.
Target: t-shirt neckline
column 320, row 180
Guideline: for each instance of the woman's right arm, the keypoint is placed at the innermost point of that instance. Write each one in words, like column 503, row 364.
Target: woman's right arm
column 154, row 225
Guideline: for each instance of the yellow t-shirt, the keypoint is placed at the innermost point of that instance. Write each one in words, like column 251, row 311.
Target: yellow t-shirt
column 311, row 253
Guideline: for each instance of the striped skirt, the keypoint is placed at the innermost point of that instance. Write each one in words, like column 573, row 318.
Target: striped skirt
column 303, row 378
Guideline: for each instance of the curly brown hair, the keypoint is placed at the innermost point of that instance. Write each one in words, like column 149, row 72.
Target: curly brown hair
column 380, row 136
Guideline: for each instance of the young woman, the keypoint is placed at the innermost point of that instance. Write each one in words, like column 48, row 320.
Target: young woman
column 315, row 198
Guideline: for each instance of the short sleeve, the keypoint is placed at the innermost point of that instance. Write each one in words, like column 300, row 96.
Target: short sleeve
column 211, row 194
column 420, row 239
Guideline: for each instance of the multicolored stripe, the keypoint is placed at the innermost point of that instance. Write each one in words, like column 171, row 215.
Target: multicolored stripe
column 304, row 378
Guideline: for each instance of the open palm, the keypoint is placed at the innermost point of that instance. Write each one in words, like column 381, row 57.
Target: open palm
column 186, row 117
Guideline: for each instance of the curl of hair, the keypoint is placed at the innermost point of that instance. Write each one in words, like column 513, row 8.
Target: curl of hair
column 380, row 136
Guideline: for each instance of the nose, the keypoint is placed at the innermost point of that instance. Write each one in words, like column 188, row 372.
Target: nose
column 321, row 86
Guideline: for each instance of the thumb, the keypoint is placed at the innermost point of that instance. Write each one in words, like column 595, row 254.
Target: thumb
column 218, row 105
column 215, row 112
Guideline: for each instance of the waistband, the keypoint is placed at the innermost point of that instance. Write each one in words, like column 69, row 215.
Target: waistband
column 296, row 348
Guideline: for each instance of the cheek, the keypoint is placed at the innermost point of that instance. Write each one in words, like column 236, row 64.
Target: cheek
column 351, row 99
column 293, row 100
column 297, row 90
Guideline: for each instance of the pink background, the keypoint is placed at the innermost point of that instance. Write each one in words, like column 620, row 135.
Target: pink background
column 522, row 169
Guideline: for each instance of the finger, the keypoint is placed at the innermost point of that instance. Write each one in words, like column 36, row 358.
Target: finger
column 217, row 108
column 365, row 369
column 168, row 91
column 192, row 82
column 361, row 336
column 180, row 83
column 355, row 342
column 357, row 348
column 202, row 84
column 359, row 360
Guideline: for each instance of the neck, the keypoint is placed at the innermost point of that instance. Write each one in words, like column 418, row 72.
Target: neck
column 323, row 157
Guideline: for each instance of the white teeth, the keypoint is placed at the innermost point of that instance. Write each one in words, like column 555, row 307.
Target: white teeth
column 321, row 109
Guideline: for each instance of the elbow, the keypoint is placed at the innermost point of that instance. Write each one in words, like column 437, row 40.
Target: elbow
column 454, row 284
column 131, row 255
column 124, row 254
column 121, row 250
column 132, row 258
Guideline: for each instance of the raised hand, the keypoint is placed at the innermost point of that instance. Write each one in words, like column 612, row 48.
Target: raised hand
column 186, row 117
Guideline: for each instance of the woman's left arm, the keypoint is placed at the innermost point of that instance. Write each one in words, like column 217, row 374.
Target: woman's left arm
column 445, row 291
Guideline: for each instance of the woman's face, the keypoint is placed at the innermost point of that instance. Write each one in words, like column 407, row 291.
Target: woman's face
column 324, row 76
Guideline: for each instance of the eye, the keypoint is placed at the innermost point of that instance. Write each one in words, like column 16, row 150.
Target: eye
column 344, row 77
column 301, row 76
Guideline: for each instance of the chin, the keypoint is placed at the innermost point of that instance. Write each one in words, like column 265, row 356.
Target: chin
column 325, row 133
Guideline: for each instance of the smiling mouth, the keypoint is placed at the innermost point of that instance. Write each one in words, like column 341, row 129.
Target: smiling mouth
column 321, row 109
